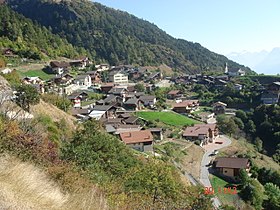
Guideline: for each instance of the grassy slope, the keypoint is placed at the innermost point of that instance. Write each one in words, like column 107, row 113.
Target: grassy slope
column 169, row 118
column 243, row 147
column 23, row 186
column 36, row 73
column 219, row 184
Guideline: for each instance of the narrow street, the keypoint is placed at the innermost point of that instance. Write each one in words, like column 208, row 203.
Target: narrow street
column 204, row 172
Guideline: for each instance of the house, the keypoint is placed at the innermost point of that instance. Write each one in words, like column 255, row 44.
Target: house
column 59, row 67
column 77, row 98
column 270, row 98
column 132, row 104
column 109, row 111
column 32, row 80
column 95, row 76
column 155, row 76
column 234, row 71
column 274, row 87
column 6, row 71
column 102, row 67
column 207, row 133
column 173, row 94
column 118, row 77
column 80, row 63
column 119, row 91
column 157, row 133
column 132, row 120
column 186, row 106
column 138, row 140
column 9, row 52
column 106, row 87
column 63, row 79
column 83, row 80
column 148, row 100
column 110, row 100
column 80, row 113
column 127, row 128
column 231, row 166
column 238, row 87
column 219, row 108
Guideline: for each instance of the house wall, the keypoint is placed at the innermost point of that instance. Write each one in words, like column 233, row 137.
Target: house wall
column 119, row 78
column 142, row 147
column 228, row 172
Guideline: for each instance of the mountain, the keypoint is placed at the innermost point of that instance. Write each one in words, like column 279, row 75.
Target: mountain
column 118, row 37
column 29, row 39
column 262, row 62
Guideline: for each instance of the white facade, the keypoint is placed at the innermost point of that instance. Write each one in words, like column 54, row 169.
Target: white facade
column 119, row 78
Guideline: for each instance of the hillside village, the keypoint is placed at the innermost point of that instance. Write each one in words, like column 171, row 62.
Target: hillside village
column 167, row 127
column 123, row 99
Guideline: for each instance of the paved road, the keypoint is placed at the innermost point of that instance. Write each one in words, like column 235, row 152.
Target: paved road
column 204, row 173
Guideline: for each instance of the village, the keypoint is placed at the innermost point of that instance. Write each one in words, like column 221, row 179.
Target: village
column 123, row 99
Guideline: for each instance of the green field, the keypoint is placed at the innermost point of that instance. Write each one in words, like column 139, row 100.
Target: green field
column 36, row 73
column 169, row 118
column 225, row 197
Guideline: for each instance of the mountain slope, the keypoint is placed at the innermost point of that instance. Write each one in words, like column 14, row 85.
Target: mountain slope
column 28, row 39
column 119, row 37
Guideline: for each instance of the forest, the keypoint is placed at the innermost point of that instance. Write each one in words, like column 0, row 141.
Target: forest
column 118, row 37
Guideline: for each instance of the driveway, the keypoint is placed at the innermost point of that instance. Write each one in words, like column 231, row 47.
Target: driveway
column 204, row 172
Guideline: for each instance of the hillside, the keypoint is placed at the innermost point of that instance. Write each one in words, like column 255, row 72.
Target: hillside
column 118, row 37
column 28, row 39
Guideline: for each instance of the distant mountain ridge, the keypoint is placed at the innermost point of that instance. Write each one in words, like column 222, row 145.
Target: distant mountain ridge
column 118, row 37
column 262, row 62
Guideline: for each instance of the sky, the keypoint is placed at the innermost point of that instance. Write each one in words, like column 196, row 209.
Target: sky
column 222, row 26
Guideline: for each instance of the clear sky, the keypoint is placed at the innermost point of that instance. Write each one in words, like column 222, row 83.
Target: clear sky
column 222, row 26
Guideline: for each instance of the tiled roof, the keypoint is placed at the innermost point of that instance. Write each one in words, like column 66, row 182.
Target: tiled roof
column 200, row 129
column 136, row 136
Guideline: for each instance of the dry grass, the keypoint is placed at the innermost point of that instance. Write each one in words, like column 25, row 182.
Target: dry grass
column 243, row 147
column 53, row 112
column 191, row 162
column 23, row 186
column 163, row 67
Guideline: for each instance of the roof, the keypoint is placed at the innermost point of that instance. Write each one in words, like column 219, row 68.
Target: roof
column 61, row 64
column 276, row 83
column 136, row 136
column 219, row 103
column 102, row 107
column 96, row 114
column 117, row 90
column 231, row 162
column 152, row 76
column 147, row 98
column 234, row 69
column 131, row 119
column 131, row 101
column 155, row 129
column 199, row 129
column 173, row 92
column 185, row 103
column 82, row 76
column 109, row 98
column 76, row 111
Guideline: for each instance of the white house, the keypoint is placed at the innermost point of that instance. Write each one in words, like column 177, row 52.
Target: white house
column 84, row 81
column 59, row 67
column 6, row 71
column 118, row 77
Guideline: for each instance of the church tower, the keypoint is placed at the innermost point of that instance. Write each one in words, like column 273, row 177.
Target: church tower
column 226, row 69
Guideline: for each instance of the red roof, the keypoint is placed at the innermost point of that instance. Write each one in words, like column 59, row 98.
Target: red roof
column 199, row 129
column 186, row 103
column 136, row 136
